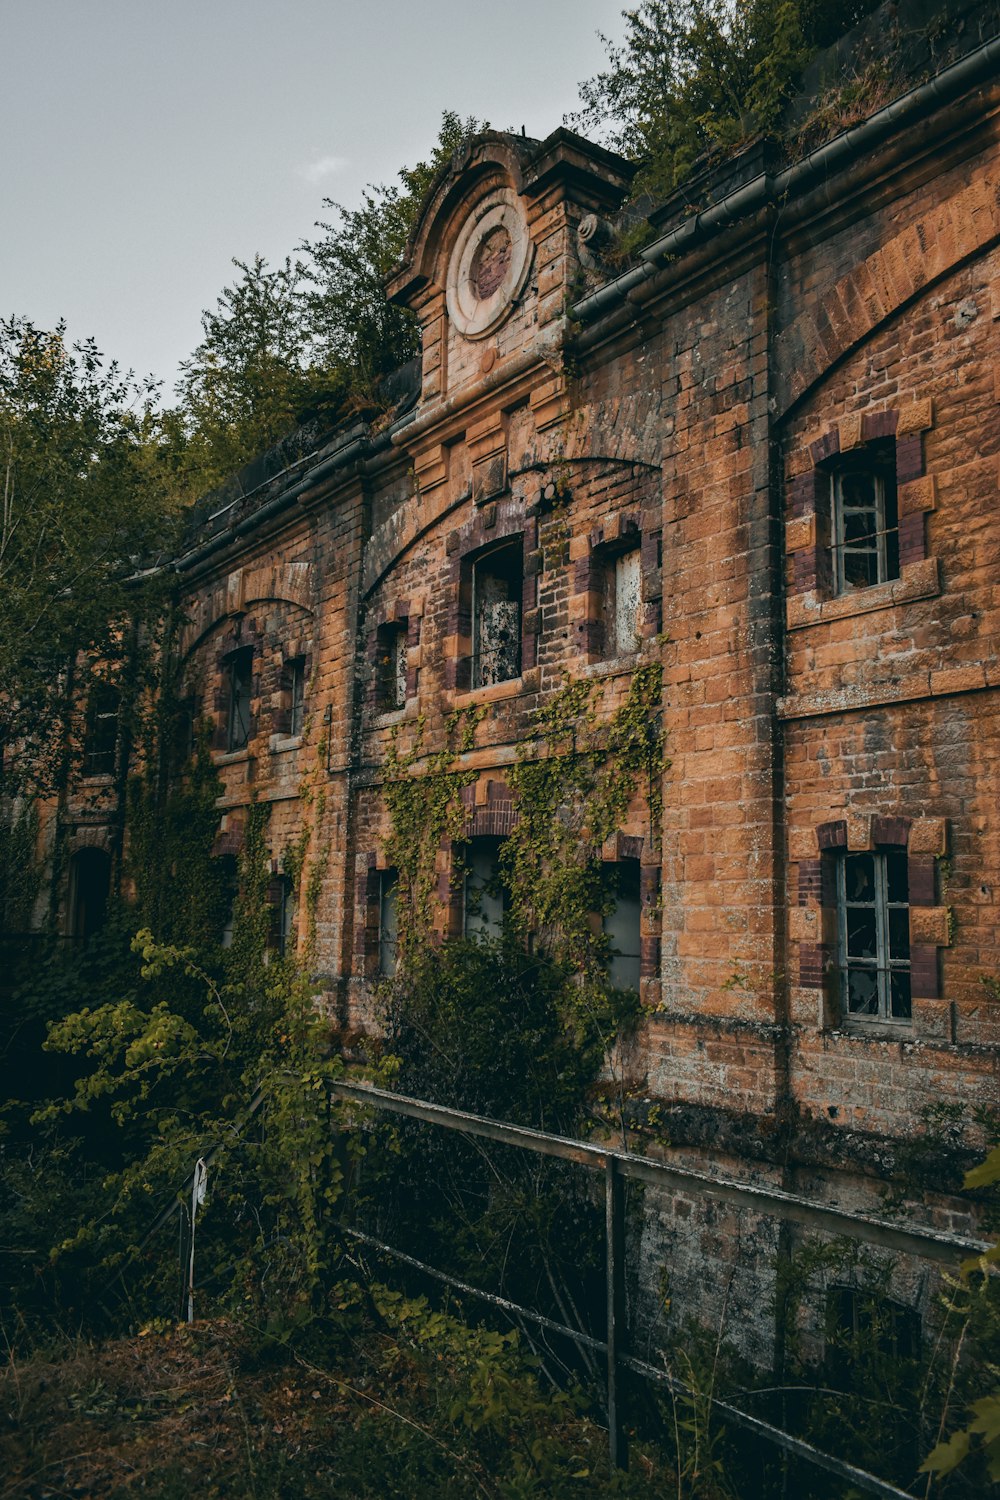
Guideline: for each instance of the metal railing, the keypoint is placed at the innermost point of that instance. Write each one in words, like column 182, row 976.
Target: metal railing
column 617, row 1167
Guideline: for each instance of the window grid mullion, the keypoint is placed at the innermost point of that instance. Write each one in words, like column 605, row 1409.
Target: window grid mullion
column 882, row 937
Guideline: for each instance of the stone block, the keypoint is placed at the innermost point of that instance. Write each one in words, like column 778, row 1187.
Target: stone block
column 800, row 533
column 805, row 924
column 918, row 496
column 850, row 428
column 929, row 836
column 918, row 416
column 859, row 831
column 929, row 926
column 802, row 843
column 933, row 1020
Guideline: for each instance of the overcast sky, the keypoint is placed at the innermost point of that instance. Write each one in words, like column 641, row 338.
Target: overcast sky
column 145, row 143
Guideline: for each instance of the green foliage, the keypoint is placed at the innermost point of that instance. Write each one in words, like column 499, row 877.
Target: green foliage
column 488, row 1028
column 703, row 75
column 424, row 807
column 181, row 892
column 79, row 514
column 254, row 376
column 20, row 871
column 574, row 781
column 980, row 1438
column 307, row 340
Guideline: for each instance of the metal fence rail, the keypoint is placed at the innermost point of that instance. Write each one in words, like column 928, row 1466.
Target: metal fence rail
column 617, row 1167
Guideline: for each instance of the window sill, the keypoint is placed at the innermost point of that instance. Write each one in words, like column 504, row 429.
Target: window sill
column 99, row 778
column 231, row 757
column 613, row 666
column 916, row 581
column 387, row 718
column 278, row 744
column 875, row 1031
column 495, row 693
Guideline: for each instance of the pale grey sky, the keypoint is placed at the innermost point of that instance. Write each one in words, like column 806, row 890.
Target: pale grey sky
column 145, row 143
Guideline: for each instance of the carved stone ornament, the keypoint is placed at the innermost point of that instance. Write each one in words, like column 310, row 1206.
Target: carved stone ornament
column 489, row 264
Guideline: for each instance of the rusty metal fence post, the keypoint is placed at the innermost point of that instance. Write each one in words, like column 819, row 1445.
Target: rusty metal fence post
column 614, row 1217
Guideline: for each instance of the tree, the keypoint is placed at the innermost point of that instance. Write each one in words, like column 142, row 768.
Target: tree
column 697, row 75
column 250, row 381
column 80, row 516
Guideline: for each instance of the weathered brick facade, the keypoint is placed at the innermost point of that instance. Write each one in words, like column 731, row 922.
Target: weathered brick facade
column 698, row 408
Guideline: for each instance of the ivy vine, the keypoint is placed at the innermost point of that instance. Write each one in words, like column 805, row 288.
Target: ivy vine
column 424, row 809
column 574, row 781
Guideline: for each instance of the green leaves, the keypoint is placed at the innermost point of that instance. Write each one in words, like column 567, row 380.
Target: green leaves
column 701, row 75
column 78, row 512
column 985, row 1425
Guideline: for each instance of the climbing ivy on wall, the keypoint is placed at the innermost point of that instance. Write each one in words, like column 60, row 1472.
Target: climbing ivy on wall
column 425, row 808
column 574, row 782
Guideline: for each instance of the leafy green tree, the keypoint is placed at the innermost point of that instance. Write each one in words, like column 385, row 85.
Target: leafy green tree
column 250, row 381
column 696, row 75
column 80, row 516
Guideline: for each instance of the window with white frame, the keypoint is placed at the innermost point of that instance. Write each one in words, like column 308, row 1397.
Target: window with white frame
column 873, row 936
column 281, row 916
column 296, row 676
column 101, row 734
column 392, row 665
column 497, row 582
column 864, row 518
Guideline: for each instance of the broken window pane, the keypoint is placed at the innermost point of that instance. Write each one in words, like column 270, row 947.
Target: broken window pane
column 391, row 690
column 239, row 668
column 388, row 923
column 101, row 734
column 297, row 693
column 485, row 897
column 865, row 519
column 496, row 616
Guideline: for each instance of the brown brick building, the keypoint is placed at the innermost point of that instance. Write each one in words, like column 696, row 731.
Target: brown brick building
column 766, row 455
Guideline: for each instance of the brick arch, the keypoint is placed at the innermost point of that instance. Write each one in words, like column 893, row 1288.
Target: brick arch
column 196, row 634
column 877, row 288
column 281, row 583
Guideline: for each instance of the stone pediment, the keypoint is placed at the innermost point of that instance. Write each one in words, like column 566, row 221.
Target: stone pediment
column 494, row 251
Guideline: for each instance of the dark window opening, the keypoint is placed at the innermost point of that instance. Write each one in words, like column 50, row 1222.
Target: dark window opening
column 865, row 1323
column 239, row 670
column 388, row 923
column 281, row 915
column 485, row 898
column 101, row 734
column 621, row 922
column 392, row 665
column 184, row 731
column 864, row 518
column 89, row 889
column 231, row 888
column 295, row 688
column 497, row 582
column 873, row 936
